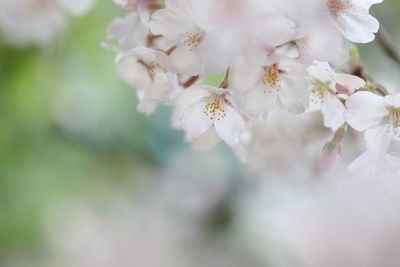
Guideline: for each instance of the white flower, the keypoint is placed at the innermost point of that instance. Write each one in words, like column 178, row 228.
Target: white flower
column 378, row 116
column 201, row 108
column 37, row 22
column 140, row 70
column 266, row 80
column 324, row 92
column 128, row 31
column 353, row 20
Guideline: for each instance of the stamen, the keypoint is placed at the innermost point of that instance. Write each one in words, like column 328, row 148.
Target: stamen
column 336, row 6
column 271, row 77
column 194, row 40
column 151, row 67
column 319, row 90
column 394, row 121
column 215, row 109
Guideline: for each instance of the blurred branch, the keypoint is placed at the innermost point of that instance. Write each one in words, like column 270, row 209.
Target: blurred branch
column 388, row 45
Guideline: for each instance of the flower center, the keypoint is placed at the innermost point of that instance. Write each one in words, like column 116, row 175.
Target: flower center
column 215, row 109
column 271, row 75
column 194, row 40
column 394, row 121
column 336, row 6
column 271, row 78
column 151, row 67
column 319, row 91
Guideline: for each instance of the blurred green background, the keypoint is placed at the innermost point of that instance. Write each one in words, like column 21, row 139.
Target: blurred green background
column 69, row 127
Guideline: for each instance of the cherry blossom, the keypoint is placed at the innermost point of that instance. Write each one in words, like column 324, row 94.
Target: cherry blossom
column 378, row 116
column 278, row 56
column 203, row 107
column 139, row 68
column 325, row 87
column 272, row 80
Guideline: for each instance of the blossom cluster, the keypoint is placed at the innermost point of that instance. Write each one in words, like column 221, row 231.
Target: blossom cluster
column 269, row 54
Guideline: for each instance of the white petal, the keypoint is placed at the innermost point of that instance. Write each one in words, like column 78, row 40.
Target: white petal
column 274, row 30
column 185, row 61
column 333, row 111
column 320, row 70
column 194, row 121
column 172, row 24
column 365, row 110
column 393, row 100
column 378, row 139
column 127, row 30
column 190, row 96
column 257, row 102
column 294, row 93
column 365, row 160
column 231, row 127
column 243, row 78
column 206, row 141
column 358, row 26
column 133, row 73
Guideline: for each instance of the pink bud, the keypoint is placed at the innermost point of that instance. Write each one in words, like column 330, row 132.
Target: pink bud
column 330, row 154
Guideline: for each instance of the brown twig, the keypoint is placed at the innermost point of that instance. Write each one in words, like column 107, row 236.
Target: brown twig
column 387, row 44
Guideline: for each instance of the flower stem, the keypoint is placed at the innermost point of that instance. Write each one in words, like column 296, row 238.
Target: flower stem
column 388, row 45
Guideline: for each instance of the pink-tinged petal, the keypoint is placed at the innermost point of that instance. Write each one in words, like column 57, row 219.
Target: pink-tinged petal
column 348, row 84
column 333, row 112
column 365, row 160
column 345, row 90
column 365, row 110
column 194, row 121
column 206, row 141
column 231, row 127
column 378, row 139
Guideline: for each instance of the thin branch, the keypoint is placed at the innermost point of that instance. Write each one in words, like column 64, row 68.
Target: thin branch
column 388, row 45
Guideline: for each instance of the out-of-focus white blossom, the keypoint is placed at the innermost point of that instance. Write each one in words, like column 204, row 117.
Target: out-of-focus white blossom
column 37, row 22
